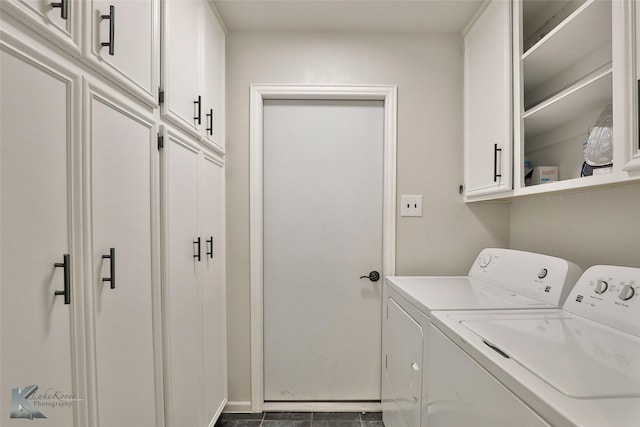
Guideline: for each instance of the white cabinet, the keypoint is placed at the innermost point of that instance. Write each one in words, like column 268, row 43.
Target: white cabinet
column 121, row 269
column 575, row 59
column 487, row 101
column 182, row 310
column 402, row 385
column 57, row 20
column 571, row 60
column 83, row 270
column 213, row 78
column 566, row 81
column 193, row 69
column 195, row 324
column 40, row 290
column 211, row 186
column 179, row 67
column 123, row 41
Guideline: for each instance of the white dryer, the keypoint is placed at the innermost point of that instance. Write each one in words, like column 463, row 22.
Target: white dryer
column 498, row 279
column 574, row 366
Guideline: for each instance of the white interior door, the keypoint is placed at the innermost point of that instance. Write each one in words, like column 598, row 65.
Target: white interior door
column 323, row 181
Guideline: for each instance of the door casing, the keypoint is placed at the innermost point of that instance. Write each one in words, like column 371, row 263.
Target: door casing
column 260, row 93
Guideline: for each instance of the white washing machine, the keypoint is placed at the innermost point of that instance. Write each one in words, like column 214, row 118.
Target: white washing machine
column 498, row 279
column 574, row 366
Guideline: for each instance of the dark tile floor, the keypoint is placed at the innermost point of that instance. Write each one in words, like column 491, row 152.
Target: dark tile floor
column 302, row 419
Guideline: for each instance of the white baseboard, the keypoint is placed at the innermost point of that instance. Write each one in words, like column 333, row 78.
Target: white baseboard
column 322, row 407
column 213, row 420
column 239, row 407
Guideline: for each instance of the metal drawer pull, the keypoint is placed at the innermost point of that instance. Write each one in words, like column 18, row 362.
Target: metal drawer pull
column 496, row 349
column 197, row 242
column 198, row 112
column 112, row 29
column 66, row 265
column 112, row 268
column 210, row 120
column 210, row 247
column 496, row 175
column 64, row 8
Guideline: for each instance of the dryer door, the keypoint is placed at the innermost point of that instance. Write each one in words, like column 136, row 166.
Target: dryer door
column 402, row 385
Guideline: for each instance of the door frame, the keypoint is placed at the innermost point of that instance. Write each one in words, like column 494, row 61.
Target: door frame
column 260, row 93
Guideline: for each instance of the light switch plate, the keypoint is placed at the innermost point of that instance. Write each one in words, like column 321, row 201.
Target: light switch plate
column 410, row 205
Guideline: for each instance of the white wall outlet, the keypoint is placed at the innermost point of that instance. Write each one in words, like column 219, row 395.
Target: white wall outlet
column 410, row 205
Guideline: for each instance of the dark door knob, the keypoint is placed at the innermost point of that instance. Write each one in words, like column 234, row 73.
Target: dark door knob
column 374, row 276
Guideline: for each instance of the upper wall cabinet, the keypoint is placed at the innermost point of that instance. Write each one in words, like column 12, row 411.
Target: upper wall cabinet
column 56, row 20
column 487, row 98
column 574, row 97
column 574, row 93
column 123, row 41
column 213, row 81
column 192, row 69
column 566, row 81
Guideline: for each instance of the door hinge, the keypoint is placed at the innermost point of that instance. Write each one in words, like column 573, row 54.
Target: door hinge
column 160, row 142
column 160, row 96
column 386, row 362
column 387, row 312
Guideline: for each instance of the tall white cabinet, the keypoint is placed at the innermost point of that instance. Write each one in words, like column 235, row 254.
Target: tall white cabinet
column 122, row 161
column 112, row 252
column 211, row 185
column 41, row 288
column 193, row 220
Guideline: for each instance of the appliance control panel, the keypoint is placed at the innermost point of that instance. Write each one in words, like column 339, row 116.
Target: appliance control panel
column 609, row 295
column 542, row 277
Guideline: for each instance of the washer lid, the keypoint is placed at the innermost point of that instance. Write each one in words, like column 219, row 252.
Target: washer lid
column 579, row 358
column 458, row 293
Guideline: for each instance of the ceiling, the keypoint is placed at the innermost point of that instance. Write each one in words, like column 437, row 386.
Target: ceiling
column 387, row 16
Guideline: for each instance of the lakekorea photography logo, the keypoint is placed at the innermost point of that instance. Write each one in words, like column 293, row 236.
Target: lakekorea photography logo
column 28, row 403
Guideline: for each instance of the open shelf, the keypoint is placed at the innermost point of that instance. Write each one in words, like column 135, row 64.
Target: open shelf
column 594, row 91
column 587, row 28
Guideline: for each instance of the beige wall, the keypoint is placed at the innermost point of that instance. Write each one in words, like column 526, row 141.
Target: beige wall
column 589, row 227
column 428, row 73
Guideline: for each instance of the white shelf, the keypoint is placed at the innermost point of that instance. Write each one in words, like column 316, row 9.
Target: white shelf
column 595, row 91
column 587, row 183
column 576, row 184
column 577, row 36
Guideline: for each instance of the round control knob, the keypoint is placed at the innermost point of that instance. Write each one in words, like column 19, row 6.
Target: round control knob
column 627, row 292
column 484, row 260
column 543, row 273
column 601, row 287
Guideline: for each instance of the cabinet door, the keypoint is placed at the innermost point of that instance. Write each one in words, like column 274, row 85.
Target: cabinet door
column 487, row 102
column 122, row 173
column 36, row 145
column 213, row 77
column 183, row 303
column 60, row 19
column 402, row 382
column 636, row 149
column 180, row 66
column 131, row 30
column 211, row 197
